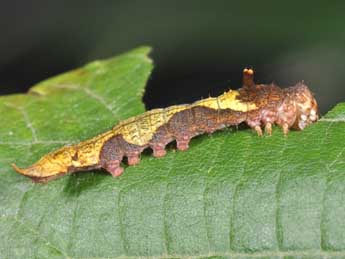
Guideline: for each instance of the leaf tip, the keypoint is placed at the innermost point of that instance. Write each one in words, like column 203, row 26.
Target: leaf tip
column 142, row 51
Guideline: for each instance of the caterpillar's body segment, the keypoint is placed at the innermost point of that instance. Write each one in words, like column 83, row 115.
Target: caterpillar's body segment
column 257, row 105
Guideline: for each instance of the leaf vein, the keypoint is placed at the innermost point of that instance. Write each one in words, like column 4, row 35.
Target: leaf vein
column 27, row 120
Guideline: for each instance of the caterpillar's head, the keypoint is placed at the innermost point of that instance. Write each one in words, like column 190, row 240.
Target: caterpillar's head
column 49, row 166
column 305, row 105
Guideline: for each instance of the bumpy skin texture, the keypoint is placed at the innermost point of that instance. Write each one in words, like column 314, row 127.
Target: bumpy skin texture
column 259, row 105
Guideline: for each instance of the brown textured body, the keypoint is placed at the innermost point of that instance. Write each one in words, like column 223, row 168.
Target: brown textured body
column 257, row 105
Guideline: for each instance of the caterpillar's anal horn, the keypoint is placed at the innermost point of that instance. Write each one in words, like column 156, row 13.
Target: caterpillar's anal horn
column 248, row 77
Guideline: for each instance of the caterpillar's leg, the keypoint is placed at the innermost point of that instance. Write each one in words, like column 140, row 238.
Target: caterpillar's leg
column 268, row 128
column 133, row 158
column 183, row 142
column 159, row 150
column 111, row 157
column 256, row 126
column 268, row 118
column 254, row 122
column 160, row 139
column 114, row 167
column 285, row 127
column 258, row 130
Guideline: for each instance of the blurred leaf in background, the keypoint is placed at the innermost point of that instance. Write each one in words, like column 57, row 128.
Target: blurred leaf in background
column 200, row 47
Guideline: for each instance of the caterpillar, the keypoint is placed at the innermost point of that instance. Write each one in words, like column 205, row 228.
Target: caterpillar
column 258, row 105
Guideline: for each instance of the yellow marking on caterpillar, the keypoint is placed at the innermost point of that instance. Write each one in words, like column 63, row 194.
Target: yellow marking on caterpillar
column 140, row 129
column 86, row 153
column 227, row 101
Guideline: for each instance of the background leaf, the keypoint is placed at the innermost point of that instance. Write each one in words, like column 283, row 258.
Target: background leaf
column 231, row 195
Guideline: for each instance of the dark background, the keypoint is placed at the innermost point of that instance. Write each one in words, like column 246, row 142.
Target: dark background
column 200, row 47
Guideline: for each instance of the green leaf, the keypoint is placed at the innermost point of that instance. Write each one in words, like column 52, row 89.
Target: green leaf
column 231, row 195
